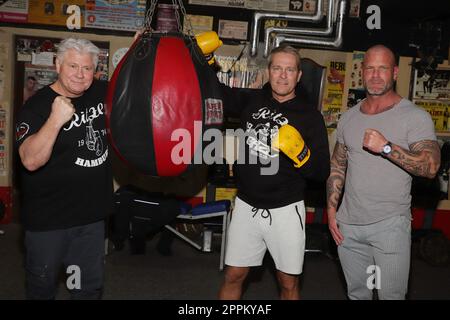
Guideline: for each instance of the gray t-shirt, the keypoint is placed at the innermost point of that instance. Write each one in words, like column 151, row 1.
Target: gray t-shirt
column 375, row 188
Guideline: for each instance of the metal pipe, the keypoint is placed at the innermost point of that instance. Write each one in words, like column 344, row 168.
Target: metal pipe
column 331, row 18
column 335, row 42
column 259, row 15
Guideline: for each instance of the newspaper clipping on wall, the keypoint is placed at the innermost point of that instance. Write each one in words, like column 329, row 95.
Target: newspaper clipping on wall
column 432, row 92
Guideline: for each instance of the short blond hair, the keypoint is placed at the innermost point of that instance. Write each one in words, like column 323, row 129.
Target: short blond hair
column 285, row 49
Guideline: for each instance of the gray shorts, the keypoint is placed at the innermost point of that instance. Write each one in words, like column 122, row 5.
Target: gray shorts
column 281, row 230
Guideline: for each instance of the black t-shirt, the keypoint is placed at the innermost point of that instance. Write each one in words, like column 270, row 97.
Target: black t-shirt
column 75, row 186
column 260, row 117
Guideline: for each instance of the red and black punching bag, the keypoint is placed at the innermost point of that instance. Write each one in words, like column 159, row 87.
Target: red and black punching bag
column 162, row 84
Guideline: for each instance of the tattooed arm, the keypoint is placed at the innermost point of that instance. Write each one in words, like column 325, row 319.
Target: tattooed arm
column 422, row 159
column 335, row 185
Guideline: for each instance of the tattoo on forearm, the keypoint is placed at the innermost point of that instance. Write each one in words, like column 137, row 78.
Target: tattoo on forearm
column 422, row 159
column 335, row 182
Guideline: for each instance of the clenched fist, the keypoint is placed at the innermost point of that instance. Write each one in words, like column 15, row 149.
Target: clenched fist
column 374, row 140
column 62, row 110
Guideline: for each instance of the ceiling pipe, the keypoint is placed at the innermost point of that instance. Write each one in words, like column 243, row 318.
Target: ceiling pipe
column 331, row 19
column 335, row 42
column 259, row 15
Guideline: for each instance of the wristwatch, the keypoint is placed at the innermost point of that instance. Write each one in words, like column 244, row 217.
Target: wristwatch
column 387, row 149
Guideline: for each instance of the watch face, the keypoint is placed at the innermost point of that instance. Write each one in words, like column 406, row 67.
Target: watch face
column 387, row 149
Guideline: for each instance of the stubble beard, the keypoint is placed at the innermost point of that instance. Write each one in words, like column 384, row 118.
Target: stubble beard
column 388, row 87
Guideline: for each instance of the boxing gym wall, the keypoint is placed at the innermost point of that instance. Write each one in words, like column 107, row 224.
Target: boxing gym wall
column 193, row 184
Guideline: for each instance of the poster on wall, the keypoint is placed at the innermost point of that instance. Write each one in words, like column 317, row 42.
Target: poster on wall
column 432, row 92
column 278, row 5
column 439, row 111
column 14, row 11
column 334, row 89
column 127, row 15
column 230, row 29
column 52, row 12
column 220, row 3
column 298, row 6
column 356, row 90
column 38, row 56
column 199, row 23
column 432, row 85
column 356, row 74
column 36, row 77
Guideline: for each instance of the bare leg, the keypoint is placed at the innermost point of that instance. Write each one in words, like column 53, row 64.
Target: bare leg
column 232, row 285
column 288, row 285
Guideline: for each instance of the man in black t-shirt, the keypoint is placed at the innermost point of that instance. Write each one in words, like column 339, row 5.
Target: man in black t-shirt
column 66, row 177
column 269, row 212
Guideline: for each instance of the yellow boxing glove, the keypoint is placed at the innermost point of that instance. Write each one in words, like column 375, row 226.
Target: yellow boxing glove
column 208, row 42
column 291, row 143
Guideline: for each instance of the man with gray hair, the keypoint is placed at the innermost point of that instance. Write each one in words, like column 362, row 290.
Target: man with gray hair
column 66, row 179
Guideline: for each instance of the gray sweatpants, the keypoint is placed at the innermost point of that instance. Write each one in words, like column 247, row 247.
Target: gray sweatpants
column 376, row 256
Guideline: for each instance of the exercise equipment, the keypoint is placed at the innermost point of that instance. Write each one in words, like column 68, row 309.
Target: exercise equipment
column 162, row 97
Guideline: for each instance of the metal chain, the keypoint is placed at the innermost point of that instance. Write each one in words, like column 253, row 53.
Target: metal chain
column 190, row 30
column 151, row 11
column 149, row 15
column 177, row 15
column 190, row 33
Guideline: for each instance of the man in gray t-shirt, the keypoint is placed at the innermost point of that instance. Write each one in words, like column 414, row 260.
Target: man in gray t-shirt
column 381, row 142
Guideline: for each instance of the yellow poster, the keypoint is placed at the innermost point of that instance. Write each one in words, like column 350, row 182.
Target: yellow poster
column 439, row 112
column 334, row 89
column 53, row 12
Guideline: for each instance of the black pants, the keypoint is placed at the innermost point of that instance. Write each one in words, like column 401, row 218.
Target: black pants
column 79, row 249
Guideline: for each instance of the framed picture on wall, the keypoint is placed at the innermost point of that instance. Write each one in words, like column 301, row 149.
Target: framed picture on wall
column 431, row 91
column 36, row 77
column 432, row 84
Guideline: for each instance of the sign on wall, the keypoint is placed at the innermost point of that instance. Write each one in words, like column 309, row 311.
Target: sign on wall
column 52, row 12
column 432, row 92
column 298, row 6
column 15, row 11
column 115, row 15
